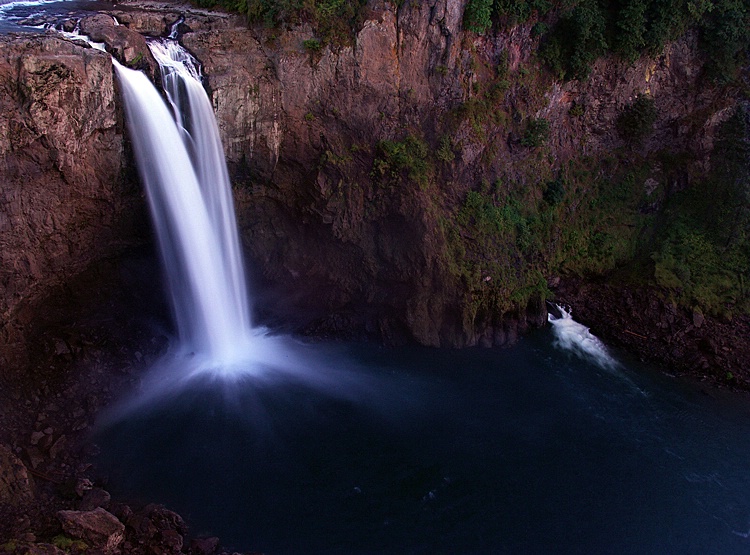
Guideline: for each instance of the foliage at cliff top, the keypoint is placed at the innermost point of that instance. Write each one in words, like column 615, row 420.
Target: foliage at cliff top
column 576, row 32
column 334, row 21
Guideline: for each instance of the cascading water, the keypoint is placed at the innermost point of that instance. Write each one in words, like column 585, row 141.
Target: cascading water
column 200, row 134
column 577, row 338
column 206, row 315
column 181, row 162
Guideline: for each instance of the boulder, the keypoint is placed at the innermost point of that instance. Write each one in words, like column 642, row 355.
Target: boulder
column 94, row 498
column 98, row 528
column 128, row 46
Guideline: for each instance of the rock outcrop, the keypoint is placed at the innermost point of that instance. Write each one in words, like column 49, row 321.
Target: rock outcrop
column 97, row 528
column 64, row 200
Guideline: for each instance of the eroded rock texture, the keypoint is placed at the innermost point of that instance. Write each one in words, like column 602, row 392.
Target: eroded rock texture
column 63, row 201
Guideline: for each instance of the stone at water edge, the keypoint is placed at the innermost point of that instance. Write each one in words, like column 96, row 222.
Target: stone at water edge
column 98, row 528
column 95, row 498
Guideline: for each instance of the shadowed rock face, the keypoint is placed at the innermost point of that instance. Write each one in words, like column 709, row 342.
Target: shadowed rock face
column 63, row 202
column 351, row 252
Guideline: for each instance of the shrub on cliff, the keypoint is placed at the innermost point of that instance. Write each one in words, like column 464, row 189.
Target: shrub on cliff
column 478, row 15
column 334, row 21
column 725, row 37
column 631, row 28
column 576, row 41
column 396, row 158
column 637, row 120
column 536, row 132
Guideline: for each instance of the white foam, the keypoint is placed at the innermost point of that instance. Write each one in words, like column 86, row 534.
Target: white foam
column 576, row 338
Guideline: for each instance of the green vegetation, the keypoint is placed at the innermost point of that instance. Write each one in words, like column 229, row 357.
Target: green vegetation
column 588, row 29
column 312, row 45
column 536, row 132
column 702, row 253
column 445, row 150
column 637, row 120
column 334, row 21
column 478, row 15
column 395, row 160
column 573, row 33
column 493, row 247
column 68, row 544
column 554, row 192
column 576, row 41
column 586, row 219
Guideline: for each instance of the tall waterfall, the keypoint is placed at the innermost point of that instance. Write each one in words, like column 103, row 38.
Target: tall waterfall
column 181, row 163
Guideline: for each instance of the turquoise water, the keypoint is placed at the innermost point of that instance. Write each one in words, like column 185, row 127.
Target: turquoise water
column 522, row 450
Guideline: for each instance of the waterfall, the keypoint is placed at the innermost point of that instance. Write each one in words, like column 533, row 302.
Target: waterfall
column 181, row 163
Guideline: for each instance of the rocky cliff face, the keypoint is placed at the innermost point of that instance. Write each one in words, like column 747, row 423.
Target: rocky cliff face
column 350, row 162
column 302, row 131
column 63, row 202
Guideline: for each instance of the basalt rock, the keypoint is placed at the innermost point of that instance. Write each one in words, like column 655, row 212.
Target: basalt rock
column 65, row 199
column 128, row 46
column 337, row 247
column 15, row 482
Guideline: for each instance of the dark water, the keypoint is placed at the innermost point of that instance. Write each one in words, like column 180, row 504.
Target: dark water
column 525, row 450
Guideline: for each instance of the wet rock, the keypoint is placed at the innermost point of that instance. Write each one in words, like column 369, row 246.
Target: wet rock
column 36, row 459
column 82, row 486
column 98, row 528
column 58, row 446
column 698, row 318
column 170, row 541
column 164, row 519
column 68, row 25
column 143, row 529
column 28, row 548
column 94, row 498
column 158, row 527
column 63, row 197
column 128, row 46
column 36, row 437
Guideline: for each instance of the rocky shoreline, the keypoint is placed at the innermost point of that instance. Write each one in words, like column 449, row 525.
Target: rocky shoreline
column 644, row 322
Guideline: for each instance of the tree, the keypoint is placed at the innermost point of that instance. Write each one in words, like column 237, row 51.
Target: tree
column 478, row 16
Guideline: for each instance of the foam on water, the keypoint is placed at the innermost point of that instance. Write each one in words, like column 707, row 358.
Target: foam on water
column 576, row 338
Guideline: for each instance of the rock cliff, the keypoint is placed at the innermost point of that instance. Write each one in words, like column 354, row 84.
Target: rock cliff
column 64, row 200
column 352, row 164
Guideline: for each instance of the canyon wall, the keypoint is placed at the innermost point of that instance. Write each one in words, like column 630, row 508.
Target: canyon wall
column 351, row 163
column 65, row 199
